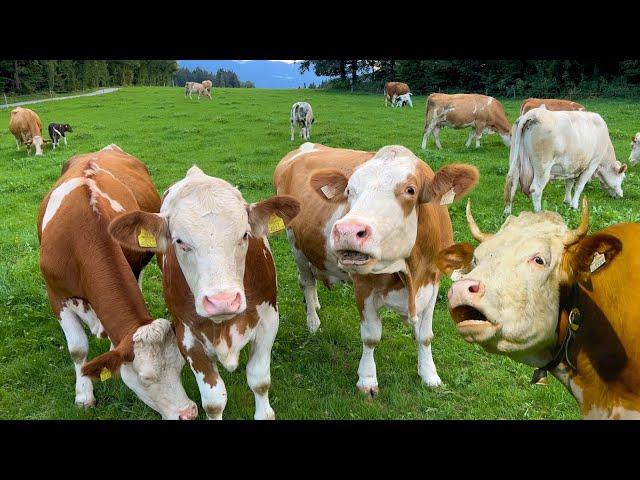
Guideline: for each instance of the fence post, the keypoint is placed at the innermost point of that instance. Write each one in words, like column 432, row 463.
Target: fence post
column 5, row 99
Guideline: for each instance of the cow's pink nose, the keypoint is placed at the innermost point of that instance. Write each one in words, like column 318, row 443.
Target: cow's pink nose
column 189, row 413
column 463, row 291
column 221, row 303
column 352, row 230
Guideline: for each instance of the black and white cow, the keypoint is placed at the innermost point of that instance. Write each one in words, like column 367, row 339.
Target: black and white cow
column 57, row 131
column 402, row 100
column 302, row 115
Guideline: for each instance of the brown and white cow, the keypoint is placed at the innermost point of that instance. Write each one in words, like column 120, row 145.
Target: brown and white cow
column 634, row 157
column 571, row 146
column 26, row 126
column 556, row 299
column 219, row 279
column 393, row 90
column 374, row 218
column 191, row 87
column 90, row 279
column 485, row 115
column 554, row 104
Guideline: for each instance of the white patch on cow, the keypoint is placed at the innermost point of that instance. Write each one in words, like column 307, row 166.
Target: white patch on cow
column 112, row 146
column 96, row 192
column 303, row 152
column 214, row 398
column 617, row 411
column 259, row 364
column 78, row 346
column 84, row 311
column 57, row 196
column 490, row 101
column 370, row 333
column 188, row 339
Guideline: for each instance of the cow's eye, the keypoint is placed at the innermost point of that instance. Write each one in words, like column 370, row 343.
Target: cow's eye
column 347, row 191
column 539, row 260
column 183, row 246
column 410, row 190
column 245, row 236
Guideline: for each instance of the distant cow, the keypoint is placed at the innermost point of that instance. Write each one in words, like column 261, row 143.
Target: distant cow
column 377, row 219
column 219, row 279
column 393, row 90
column 26, row 126
column 572, row 146
column 482, row 113
column 556, row 299
column 402, row 100
column 551, row 104
column 191, row 87
column 302, row 116
column 91, row 280
column 634, row 158
column 57, row 131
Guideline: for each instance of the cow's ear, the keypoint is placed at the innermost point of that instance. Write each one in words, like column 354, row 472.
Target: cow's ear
column 142, row 231
column 584, row 256
column 455, row 257
column 283, row 206
column 459, row 177
column 329, row 184
column 110, row 361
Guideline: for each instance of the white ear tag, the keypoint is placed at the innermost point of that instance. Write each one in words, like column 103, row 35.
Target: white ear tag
column 448, row 197
column 598, row 261
column 329, row 191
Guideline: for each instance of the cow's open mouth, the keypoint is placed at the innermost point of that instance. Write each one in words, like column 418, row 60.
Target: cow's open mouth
column 351, row 257
column 468, row 316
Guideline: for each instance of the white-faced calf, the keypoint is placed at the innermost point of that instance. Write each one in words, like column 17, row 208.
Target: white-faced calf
column 219, row 279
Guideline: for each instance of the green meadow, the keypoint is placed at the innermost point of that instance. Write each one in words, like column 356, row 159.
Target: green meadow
column 240, row 136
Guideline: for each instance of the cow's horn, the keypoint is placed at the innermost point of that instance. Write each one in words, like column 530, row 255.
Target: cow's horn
column 473, row 226
column 573, row 236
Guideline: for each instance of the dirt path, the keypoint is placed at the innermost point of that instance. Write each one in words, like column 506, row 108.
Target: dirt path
column 29, row 102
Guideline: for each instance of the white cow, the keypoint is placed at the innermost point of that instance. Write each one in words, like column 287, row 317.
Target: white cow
column 572, row 146
column 302, row 115
column 634, row 158
column 402, row 100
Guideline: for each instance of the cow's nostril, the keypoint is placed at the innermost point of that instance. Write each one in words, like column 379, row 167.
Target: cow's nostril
column 474, row 288
column 362, row 234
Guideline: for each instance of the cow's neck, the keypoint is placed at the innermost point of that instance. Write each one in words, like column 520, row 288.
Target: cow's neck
column 605, row 381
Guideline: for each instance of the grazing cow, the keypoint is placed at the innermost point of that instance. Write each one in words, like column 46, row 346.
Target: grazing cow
column 393, row 90
column 571, row 146
column 634, row 158
column 219, row 279
column 26, row 126
column 482, row 113
column 402, row 100
column 90, row 279
column 558, row 300
column 191, row 87
column 57, row 131
column 553, row 104
column 302, row 116
column 377, row 219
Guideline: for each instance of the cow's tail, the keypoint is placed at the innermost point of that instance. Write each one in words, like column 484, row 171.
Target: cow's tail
column 519, row 168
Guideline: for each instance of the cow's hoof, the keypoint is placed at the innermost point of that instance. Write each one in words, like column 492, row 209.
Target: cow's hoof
column 85, row 401
column 432, row 380
column 267, row 414
column 369, row 387
column 506, row 212
column 313, row 323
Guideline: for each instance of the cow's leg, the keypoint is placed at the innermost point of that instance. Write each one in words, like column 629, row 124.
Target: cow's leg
column 371, row 333
column 65, row 139
column 436, row 136
column 569, row 183
column 385, row 100
column 293, row 131
column 584, row 177
column 510, row 191
column 471, row 135
column 78, row 346
column 308, row 285
column 540, row 179
column 423, row 333
column 213, row 392
column 478, row 128
column 17, row 144
column 259, row 364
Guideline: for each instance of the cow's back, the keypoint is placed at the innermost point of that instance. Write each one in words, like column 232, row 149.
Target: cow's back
column 396, row 88
column 25, row 123
column 550, row 104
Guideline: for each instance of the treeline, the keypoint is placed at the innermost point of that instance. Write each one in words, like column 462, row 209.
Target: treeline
column 32, row 76
column 505, row 78
column 222, row 78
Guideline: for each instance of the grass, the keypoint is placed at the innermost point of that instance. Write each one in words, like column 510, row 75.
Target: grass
column 240, row 136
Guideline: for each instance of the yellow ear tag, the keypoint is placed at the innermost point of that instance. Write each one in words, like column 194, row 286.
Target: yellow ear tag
column 105, row 374
column 598, row 260
column 448, row 197
column 276, row 224
column 146, row 239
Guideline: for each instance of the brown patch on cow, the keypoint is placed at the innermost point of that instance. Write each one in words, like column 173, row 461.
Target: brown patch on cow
column 78, row 258
column 407, row 200
column 459, row 177
column 552, row 104
column 24, row 124
column 284, row 206
column 455, row 257
column 261, row 389
column 392, row 89
column 332, row 181
column 463, row 109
